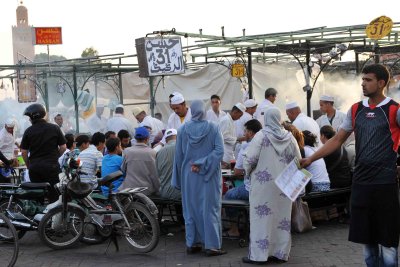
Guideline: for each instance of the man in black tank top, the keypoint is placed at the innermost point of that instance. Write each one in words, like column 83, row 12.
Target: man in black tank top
column 375, row 211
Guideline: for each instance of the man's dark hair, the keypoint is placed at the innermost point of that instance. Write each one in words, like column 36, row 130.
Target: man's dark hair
column 109, row 133
column 123, row 134
column 70, row 140
column 97, row 138
column 112, row 144
column 309, row 138
column 253, row 125
column 58, row 115
column 215, row 97
column 81, row 139
column 327, row 131
column 380, row 71
column 158, row 115
column 119, row 110
column 270, row 92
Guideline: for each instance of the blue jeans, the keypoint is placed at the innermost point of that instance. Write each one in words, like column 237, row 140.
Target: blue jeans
column 379, row 256
column 238, row 192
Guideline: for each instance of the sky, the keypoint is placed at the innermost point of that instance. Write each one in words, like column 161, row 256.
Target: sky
column 112, row 26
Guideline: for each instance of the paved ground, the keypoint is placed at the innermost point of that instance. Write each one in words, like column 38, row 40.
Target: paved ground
column 326, row 245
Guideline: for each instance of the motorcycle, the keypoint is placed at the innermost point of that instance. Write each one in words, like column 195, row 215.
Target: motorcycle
column 129, row 213
column 24, row 204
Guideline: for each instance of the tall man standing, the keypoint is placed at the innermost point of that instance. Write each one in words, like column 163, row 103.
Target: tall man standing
column 375, row 212
column 269, row 100
column 45, row 143
column 119, row 122
column 215, row 113
column 330, row 115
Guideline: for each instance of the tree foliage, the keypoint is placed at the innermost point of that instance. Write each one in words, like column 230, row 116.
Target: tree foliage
column 89, row 52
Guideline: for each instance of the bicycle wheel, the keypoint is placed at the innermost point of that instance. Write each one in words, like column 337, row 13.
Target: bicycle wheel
column 15, row 207
column 8, row 242
column 59, row 233
column 145, row 232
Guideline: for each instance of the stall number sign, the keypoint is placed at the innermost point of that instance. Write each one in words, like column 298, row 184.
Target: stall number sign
column 164, row 56
column 379, row 27
column 237, row 70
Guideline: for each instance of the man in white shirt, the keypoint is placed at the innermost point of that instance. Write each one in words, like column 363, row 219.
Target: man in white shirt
column 7, row 139
column 331, row 116
column 227, row 127
column 181, row 112
column 270, row 97
column 301, row 121
column 119, row 122
column 215, row 113
column 145, row 120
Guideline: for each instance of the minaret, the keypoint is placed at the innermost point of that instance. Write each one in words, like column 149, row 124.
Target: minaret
column 23, row 52
column 23, row 47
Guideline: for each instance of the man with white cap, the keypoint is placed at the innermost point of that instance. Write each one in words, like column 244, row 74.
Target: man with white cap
column 148, row 121
column 251, row 107
column 165, row 164
column 119, row 122
column 227, row 128
column 331, row 116
column 215, row 113
column 181, row 112
column 301, row 121
column 7, row 139
column 97, row 122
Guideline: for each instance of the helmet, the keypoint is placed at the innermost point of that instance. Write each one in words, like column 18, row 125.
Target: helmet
column 35, row 111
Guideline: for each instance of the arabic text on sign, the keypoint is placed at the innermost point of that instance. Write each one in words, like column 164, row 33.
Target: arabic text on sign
column 164, row 56
column 379, row 28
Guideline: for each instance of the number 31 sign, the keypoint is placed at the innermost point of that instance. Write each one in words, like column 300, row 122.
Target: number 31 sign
column 159, row 56
column 379, row 28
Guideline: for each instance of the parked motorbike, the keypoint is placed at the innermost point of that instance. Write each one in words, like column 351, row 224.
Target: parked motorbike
column 130, row 214
column 24, row 204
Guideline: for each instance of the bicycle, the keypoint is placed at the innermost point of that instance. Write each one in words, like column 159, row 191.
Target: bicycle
column 9, row 247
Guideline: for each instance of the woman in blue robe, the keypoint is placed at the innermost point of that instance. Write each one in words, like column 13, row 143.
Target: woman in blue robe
column 197, row 173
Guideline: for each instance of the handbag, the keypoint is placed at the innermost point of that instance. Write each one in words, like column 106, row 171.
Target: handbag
column 301, row 219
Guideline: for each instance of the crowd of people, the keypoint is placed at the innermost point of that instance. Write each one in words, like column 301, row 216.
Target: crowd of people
column 183, row 160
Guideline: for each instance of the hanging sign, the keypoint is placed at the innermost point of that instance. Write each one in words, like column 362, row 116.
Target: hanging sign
column 237, row 70
column 379, row 27
column 47, row 35
column 159, row 56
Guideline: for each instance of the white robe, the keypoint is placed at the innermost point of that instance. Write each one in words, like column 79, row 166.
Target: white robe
column 227, row 128
column 7, row 143
column 302, row 122
column 212, row 116
column 174, row 121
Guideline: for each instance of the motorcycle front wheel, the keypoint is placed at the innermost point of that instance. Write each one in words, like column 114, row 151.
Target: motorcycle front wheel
column 145, row 230
column 57, row 232
column 8, row 242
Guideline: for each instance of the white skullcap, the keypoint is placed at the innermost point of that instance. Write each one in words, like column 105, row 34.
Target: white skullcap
column 119, row 106
column 327, row 98
column 177, row 99
column 291, row 105
column 249, row 103
column 241, row 107
column 10, row 123
column 176, row 93
column 170, row 132
column 137, row 110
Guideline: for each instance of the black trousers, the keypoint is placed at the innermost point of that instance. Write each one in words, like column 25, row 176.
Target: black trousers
column 42, row 173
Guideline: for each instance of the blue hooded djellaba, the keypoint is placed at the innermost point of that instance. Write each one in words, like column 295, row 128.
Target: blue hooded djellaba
column 200, row 143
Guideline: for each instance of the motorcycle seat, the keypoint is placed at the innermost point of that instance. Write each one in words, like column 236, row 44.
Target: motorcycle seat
column 108, row 179
column 30, row 185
